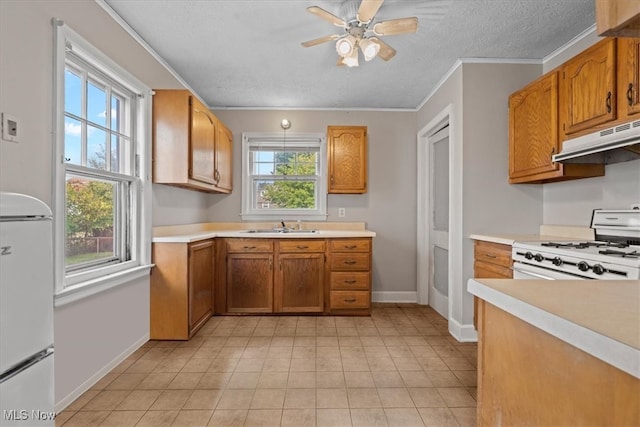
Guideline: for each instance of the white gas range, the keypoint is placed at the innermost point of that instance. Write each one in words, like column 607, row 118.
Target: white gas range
column 613, row 255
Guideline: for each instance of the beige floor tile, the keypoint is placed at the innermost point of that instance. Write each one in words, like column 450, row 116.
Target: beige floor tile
column 268, row 399
column 303, row 365
column 456, row 397
column 249, row 365
column 467, row 378
column 197, row 364
column 368, row 418
column 171, row 364
column 87, row 418
column 298, row 418
column 231, row 352
column 465, row 416
column 415, row 379
column 364, row 398
column 403, row 417
column 170, row 400
column 143, row 366
column 228, row 417
column 395, row 398
column 376, row 351
column 330, row 380
column 426, row 397
column 400, row 351
column 156, row 381
column 214, row 380
column 457, row 363
column 406, row 363
column 333, row 418
column 423, row 351
column 122, row 419
column 443, row 379
column 279, row 352
column 107, row 379
column 276, row 365
column 329, row 352
column 381, row 364
column 432, row 363
column 284, row 331
column 126, row 381
column 236, row 399
column 438, row 417
column 223, row 364
column 244, row 380
column 331, row 398
column 355, row 365
column 192, row 418
column 185, row 381
column 349, row 341
column 326, row 332
column 325, row 364
column 273, row 380
column 301, row 380
column 106, row 400
column 352, row 352
column 203, row 400
column 139, row 400
column 263, row 418
column 81, row 401
column 157, row 418
column 387, row 379
column 300, row 398
column 359, row 379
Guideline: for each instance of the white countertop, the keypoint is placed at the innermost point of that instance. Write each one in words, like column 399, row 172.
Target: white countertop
column 194, row 232
column 548, row 233
column 600, row 317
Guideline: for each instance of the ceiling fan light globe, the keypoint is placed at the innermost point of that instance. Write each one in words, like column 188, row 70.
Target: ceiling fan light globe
column 346, row 46
column 351, row 60
column 370, row 48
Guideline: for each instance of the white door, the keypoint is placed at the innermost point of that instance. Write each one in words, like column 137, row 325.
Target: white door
column 439, row 221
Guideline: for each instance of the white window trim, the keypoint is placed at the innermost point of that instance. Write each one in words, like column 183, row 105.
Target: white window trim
column 99, row 279
column 319, row 214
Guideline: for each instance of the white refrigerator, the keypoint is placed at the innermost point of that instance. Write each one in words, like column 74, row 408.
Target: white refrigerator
column 26, row 312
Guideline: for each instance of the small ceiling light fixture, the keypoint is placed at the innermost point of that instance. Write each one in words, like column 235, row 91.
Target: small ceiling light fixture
column 285, row 124
column 352, row 60
column 370, row 48
column 346, row 46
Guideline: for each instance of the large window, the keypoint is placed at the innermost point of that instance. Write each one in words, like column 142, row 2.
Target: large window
column 101, row 121
column 282, row 176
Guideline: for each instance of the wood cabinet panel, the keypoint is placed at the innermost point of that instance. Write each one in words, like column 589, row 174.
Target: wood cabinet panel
column 629, row 77
column 350, row 300
column 347, row 159
column 201, row 268
column 202, row 143
column 493, row 253
column 350, row 262
column 350, row 245
column 300, row 283
column 249, row 283
column 588, row 95
column 223, row 173
column 294, row 246
column 249, row 245
column 341, row 280
column 618, row 18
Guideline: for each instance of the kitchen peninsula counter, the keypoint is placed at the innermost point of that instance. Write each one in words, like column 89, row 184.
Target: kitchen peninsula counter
column 547, row 233
column 570, row 347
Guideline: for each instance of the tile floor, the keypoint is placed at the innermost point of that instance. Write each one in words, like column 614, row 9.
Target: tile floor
column 399, row 367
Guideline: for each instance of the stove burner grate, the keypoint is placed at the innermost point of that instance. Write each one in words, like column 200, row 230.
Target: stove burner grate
column 585, row 245
column 634, row 254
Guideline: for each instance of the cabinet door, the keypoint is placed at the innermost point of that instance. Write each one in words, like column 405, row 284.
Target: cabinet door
column 628, row 76
column 250, row 283
column 300, row 279
column 533, row 128
column 224, row 154
column 203, row 133
column 201, row 261
column 347, row 158
column 589, row 87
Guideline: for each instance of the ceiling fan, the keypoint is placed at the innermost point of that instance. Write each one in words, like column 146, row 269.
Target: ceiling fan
column 359, row 33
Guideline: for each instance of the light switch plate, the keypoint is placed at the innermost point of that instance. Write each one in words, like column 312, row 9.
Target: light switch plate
column 10, row 128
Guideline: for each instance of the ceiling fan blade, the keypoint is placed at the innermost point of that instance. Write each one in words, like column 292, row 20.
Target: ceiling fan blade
column 368, row 9
column 386, row 52
column 396, row 26
column 327, row 16
column 320, row 40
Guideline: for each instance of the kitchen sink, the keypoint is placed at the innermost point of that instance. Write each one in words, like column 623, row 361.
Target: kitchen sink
column 281, row 230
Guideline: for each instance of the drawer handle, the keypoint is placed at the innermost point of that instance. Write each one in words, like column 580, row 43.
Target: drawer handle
column 302, row 247
column 349, row 300
column 490, row 256
column 630, row 94
column 609, row 102
column 350, row 282
column 249, row 247
column 350, row 246
column 350, row 262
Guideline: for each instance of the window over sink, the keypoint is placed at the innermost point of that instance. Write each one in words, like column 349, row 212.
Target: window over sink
column 283, row 176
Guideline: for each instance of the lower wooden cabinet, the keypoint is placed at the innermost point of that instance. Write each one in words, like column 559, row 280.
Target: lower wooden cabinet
column 181, row 288
column 350, row 281
column 249, row 283
column 491, row 261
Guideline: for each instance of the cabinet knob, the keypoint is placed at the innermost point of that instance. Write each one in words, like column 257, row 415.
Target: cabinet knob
column 630, row 94
column 609, row 102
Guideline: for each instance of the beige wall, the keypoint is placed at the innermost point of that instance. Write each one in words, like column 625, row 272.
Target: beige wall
column 92, row 332
column 389, row 206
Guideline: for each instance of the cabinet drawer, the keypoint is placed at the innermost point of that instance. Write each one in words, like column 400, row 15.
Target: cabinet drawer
column 249, row 245
column 350, row 262
column 296, row 246
column 493, row 253
column 350, row 245
column 349, row 299
column 348, row 280
column 484, row 270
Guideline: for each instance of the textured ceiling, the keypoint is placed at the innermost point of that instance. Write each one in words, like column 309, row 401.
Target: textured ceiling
column 239, row 53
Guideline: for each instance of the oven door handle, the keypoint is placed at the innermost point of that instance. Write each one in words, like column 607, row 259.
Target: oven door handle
column 527, row 272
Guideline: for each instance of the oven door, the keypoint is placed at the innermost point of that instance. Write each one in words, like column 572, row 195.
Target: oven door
column 526, row 271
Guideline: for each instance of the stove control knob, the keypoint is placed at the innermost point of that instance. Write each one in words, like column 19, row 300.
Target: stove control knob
column 528, row 255
column 598, row 269
column 557, row 261
column 583, row 266
column 539, row 257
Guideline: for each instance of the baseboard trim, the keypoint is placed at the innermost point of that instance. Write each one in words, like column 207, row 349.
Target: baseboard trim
column 463, row 333
column 67, row 400
column 401, row 297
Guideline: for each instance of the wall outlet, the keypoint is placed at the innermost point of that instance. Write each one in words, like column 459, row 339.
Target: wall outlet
column 342, row 212
column 635, row 206
column 10, row 128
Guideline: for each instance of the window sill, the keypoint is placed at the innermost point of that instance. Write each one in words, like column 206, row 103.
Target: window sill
column 283, row 216
column 91, row 287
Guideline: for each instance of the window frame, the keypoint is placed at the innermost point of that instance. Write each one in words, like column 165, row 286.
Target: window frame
column 278, row 140
column 73, row 285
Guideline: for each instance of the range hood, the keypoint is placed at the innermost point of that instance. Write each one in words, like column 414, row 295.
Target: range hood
column 613, row 145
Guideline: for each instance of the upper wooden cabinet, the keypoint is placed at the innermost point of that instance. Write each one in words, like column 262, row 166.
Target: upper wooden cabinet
column 347, row 159
column 588, row 88
column 618, row 18
column 191, row 147
column 533, row 136
column 629, row 77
